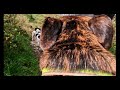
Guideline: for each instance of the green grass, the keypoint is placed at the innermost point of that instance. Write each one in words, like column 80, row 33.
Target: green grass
column 99, row 73
column 19, row 58
column 20, row 61
column 87, row 71
column 113, row 48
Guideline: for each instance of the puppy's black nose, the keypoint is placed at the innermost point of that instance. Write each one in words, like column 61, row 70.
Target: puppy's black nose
column 38, row 36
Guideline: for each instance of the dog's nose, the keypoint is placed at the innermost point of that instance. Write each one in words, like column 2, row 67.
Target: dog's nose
column 38, row 36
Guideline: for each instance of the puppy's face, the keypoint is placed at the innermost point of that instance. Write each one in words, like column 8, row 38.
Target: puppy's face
column 37, row 31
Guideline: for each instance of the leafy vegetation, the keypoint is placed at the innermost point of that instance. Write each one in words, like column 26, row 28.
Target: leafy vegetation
column 113, row 48
column 19, row 59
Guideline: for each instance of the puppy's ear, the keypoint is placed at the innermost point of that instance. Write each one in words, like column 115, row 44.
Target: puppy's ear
column 50, row 32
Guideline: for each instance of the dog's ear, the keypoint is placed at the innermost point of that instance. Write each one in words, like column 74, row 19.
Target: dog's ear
column 101, row 26
column 50, row 32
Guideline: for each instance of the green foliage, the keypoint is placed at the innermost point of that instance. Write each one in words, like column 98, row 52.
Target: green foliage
column 99, row 73
column 113, row 48
column 31, row 18
column 19, row 59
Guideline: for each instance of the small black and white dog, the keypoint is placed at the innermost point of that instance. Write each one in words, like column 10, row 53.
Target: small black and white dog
column 36, row 35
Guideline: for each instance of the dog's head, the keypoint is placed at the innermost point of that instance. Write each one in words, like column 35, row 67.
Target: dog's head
column 66, row 30
column 69, row 28
column 37, row 30
column 68, row 44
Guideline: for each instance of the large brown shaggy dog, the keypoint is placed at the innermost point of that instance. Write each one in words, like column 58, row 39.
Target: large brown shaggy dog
column 71, row 46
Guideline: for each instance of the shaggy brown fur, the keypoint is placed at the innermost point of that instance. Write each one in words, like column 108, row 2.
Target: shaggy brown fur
column 101, row 26
column 83, row 20
column 72, row 48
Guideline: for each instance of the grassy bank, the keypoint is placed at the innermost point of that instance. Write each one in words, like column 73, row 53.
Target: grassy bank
column 19, row 59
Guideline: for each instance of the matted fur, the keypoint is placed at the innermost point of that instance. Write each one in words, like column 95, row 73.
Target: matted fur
column 102, row 27
column 74, row 47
